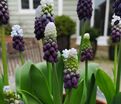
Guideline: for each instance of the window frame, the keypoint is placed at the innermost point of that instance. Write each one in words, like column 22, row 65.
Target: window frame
column 31, row 9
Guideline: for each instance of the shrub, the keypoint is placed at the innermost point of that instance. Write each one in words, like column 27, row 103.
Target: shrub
column 65, row 25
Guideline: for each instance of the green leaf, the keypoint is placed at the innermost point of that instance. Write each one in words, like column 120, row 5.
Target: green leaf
column 77, row 94
column 117, row 99
column 92, row 88
column 1, row 91
column 55, row 87
column 106, row 85
column 40, row 85
column 60, row 69
column 22, row 77
column 29, row 98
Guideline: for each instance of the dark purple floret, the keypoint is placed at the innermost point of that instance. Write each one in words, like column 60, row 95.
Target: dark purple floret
column 116, row 34
column 117, row 7
column 18, row 43
column 71, row 79
column 87, row 54
column 50, row 50
column 84, row 9
column 4, row 15
column 40, row 24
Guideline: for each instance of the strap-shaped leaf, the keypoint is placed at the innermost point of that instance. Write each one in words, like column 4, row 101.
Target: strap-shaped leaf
column 117, row 99
column 40, row 85
column 106, row 85
column 1, row 91
column 77, row 94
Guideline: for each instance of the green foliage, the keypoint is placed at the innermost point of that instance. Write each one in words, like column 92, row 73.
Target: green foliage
column 106, row 85
column 7, row 29
column 117, row 99
column 65, row 25
column 1, row 91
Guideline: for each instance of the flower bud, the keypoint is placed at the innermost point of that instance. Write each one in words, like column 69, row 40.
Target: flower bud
column 86, row 50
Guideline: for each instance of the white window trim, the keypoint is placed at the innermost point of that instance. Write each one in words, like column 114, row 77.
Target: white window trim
column 26, row 11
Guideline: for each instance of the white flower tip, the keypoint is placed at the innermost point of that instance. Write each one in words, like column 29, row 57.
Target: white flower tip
column 87, row 36
column 38, row 11
column 50, row 29
column 16, row 31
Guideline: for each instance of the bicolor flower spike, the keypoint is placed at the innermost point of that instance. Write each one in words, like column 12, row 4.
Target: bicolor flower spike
column 4, row 14
column 50, row 47
column 84, row 9
column 71, row 75
column 17, row 35
column 86, row 49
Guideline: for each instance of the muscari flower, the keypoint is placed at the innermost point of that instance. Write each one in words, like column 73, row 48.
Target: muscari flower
column 117, row 7
column 44, row 15
column 4, row 15
column 11, row 97
column 86, row 50
column 84, row 9
column 71, row 75
column 116, row 34
column 50, row 47
column 17, row 35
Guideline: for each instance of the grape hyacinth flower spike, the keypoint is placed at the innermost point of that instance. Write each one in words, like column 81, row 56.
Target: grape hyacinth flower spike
column 116, row 29
column 4, row 14
column 84, row 9
column 71, row 75
column 17, row 35
column 117, row 7
column 11, row 97
column 86, row 50
column 42, row 18
column 50, row 47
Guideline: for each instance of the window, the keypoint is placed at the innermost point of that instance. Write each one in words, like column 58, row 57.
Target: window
column 29, row 4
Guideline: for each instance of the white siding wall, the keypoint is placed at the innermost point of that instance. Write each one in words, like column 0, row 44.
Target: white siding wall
column 69, row 8
column 26, row 20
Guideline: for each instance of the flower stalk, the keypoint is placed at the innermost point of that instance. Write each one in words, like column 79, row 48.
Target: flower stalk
column 21, row 58
column 4, row 57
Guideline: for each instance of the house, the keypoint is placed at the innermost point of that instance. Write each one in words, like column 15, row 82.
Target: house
column 23, row 12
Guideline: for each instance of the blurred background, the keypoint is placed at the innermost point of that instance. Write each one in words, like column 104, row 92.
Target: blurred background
column 22, row 12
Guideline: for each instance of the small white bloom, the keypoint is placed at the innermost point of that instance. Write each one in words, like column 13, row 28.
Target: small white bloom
column 116, row 18
column 45, row 2
column 65, row 53
column 6, row 88
column 87, row 36
column 50, row 30
column 72, row 52
column 16, row 31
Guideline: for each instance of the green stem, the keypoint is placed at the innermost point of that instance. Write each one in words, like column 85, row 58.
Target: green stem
column 68, row 96
column 118, row 72
column 86, row 73
column 115, row 63
column 82, row 36
column 50, row 75
column 21, row 58
column 4, row 57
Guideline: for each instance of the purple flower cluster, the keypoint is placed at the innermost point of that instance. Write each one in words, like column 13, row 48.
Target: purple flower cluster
column 40, row 24
column 18, row 43
column 71, row 79
column 87, row 54
column 117, row 7
column 4, row 15
column 84, row 9
column 50, row 49
column 116, row 34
